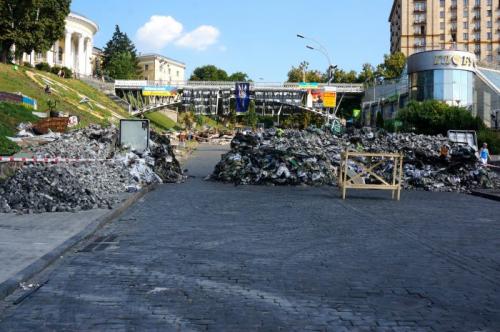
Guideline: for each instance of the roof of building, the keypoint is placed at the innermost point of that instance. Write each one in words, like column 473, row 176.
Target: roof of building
column 392, row 9
column 156, row 55
column 492, row 75
column 85, row 19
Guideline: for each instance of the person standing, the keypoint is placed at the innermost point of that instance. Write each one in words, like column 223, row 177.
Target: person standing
column 484, row 154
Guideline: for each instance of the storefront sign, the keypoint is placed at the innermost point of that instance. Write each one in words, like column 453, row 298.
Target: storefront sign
column 454, row 60
column 441, row 59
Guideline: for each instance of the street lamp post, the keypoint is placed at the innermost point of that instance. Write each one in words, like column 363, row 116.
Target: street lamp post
column 321, row 49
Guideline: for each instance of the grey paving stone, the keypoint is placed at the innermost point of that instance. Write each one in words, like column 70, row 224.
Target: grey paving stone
column 207, row 256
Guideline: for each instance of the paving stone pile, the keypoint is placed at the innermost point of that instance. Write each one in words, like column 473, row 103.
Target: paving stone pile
column 289, row 158
column 38, row 188
column 312, row 157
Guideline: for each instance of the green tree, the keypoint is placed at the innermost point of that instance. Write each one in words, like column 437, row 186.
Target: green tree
column 393, row 66
column 120, row 57
column 303, row 74
column 209, row 73
column 367, row 73
column 31, row 24
column 122, row 66
column 238, row 77
column 379, row 120
column 342, row 76
column 251, row 116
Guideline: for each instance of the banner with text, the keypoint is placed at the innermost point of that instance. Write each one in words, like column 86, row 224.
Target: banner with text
column 242, row 92
column 159, row 91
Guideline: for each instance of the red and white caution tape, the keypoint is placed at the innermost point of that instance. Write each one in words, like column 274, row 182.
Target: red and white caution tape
column 52, row 160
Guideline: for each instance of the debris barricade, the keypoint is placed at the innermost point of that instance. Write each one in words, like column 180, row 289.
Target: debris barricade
column 91, row 173
column 313, row 156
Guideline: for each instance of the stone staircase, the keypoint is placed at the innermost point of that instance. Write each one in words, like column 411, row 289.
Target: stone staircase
column 108, row 88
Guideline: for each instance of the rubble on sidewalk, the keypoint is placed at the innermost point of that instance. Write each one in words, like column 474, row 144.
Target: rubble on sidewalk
column 91, row 184
column 312, row 157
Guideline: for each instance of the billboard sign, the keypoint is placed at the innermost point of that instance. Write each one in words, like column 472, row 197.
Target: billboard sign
column 330, row 97
column 159, row 91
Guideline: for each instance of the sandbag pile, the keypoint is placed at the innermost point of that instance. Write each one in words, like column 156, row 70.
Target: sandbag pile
column 87, row 185
column 312, row 157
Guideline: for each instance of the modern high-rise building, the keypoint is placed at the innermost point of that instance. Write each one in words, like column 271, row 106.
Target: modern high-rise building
column 465, row 25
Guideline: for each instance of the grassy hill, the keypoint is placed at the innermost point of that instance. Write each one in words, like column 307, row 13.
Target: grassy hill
column 67, row 93
column 10, row 116
column 71, row 96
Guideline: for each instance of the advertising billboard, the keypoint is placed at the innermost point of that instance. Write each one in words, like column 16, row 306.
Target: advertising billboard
column 330, row 97
column 321, row 98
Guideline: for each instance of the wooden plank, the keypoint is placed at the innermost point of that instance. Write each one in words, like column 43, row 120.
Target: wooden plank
column 371, row 186
column 373, row 154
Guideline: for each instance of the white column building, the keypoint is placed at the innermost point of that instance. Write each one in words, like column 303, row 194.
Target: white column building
column 74, row 50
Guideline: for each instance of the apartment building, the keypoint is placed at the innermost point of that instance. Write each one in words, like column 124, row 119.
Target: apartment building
column 156, row 67
column 464, row 25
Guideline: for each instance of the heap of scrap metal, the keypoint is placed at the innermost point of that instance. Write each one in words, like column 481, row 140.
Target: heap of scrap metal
column 104, row 172
column 312, row 157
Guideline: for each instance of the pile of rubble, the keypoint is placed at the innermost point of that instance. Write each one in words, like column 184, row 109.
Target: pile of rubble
column 91, row 184
column 272, row 157
column 312, row 157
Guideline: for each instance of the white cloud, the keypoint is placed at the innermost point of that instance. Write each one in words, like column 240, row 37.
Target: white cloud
column 200, row 38
column 158, row 32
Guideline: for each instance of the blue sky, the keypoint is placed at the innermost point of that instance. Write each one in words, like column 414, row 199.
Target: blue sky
column 254, row 36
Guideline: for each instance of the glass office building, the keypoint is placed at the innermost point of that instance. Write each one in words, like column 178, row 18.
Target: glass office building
column 448, row 76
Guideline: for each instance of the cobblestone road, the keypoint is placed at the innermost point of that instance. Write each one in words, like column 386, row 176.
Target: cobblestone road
column 207, row 256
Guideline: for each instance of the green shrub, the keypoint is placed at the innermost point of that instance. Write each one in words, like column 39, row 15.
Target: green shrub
column 390, row 125
column 27, row 64
column 379, row 120
column 492, row 138
column 7, row 147
column 68, row 73
column 44, row 66
column 434, row 117
column 55, row 70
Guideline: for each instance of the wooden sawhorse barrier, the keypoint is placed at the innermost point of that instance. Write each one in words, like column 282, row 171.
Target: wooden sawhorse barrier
column 350, row 180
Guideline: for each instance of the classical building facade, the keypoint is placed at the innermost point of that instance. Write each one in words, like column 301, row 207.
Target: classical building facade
column 157, row 67
column 465, row 25
column 74, row 50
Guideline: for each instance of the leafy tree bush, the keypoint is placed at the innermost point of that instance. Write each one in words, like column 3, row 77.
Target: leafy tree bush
column 251, row 116
column 68, row 73
column 55, row 70
column 120, row 57
column 31, row 25
column 434, row 117
column 27, row 64
column 44, row 66
column 379, row 121
column 492, row 138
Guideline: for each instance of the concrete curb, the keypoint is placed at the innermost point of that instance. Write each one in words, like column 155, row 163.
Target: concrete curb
column 10, row 285
column 493, row 195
